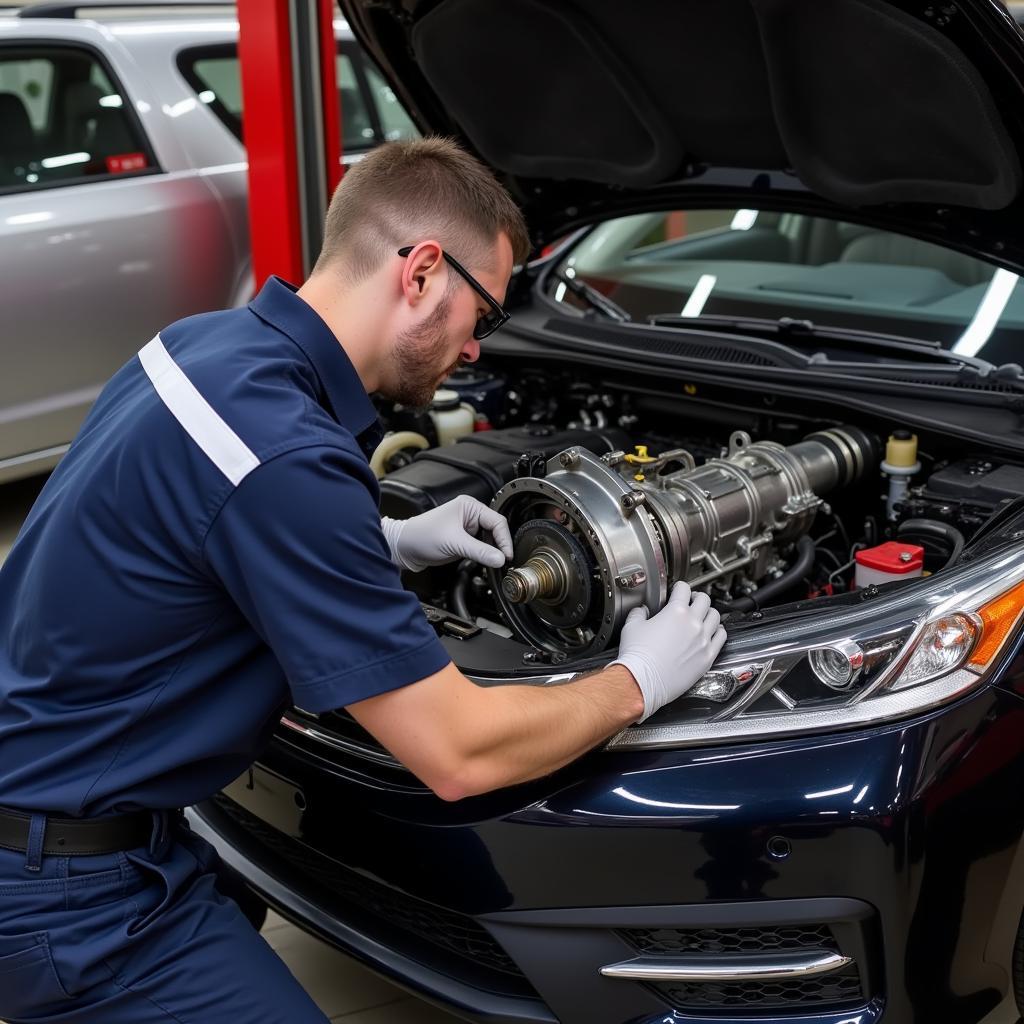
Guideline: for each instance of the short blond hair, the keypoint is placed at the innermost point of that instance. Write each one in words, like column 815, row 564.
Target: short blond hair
column 402, row 193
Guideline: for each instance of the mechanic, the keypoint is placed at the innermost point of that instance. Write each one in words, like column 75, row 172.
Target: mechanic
column 209, row 550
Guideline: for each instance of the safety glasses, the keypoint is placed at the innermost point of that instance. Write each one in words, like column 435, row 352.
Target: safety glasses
column 489, row 322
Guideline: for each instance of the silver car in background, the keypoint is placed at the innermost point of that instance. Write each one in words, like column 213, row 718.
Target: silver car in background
column 123, row 196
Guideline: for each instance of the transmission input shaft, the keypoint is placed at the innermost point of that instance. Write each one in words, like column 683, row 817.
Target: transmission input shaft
column 542, row 576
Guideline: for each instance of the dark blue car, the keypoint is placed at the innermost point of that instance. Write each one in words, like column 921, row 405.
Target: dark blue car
column 771, row 346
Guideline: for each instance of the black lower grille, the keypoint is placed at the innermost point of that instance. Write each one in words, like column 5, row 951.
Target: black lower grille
column 805, row 993
column 816, row 993
column 447, row 929
column 670, row 941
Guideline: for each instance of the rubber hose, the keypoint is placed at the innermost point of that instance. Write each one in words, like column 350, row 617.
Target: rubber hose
column 395, row 443
column 460, row 603
column 935, row 528
column 805, row 554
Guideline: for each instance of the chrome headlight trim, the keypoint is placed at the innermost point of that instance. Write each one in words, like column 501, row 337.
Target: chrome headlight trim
column 910, row 610
column 892, row 706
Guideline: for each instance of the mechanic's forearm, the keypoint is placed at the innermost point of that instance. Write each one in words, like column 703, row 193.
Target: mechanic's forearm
column 462, row 739
column 516, row 733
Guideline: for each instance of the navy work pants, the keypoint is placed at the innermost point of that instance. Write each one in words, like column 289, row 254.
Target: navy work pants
column 140, row 937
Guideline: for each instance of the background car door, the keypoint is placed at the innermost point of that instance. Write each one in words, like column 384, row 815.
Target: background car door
column 100, row 246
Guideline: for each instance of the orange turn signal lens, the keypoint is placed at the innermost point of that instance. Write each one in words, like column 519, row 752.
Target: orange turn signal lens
column 998, row 617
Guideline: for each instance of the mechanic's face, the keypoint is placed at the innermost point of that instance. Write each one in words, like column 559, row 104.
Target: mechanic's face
column 424, row 355
column 421, row 358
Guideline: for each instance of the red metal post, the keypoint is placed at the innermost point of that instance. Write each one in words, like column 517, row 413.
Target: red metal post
column 267, row 95
column 329, row 92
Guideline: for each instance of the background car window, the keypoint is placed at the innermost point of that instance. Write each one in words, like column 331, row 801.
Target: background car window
column 63, row 120
column 356, row 125
column 750, row 263
column 394, row 121
column 219, row 75
column 31, row 81
column 216, row 78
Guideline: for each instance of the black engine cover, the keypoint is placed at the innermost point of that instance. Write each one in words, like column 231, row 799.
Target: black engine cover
column 976, row 481
column 479, row 464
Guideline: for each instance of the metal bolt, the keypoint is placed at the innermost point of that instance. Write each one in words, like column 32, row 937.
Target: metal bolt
column 569, row 459
column 905, row 556
column 632, row 579
column 633, row 500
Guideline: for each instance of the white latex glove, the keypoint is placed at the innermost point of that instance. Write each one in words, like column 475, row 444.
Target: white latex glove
column 448, row 532
column 670, row 651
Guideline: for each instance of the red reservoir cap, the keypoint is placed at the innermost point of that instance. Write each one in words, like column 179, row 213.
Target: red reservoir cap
column 892, row 556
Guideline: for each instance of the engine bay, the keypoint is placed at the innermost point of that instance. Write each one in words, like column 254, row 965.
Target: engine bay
column 616, row 489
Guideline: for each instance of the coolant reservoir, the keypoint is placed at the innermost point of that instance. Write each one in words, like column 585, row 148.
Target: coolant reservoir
column 899, row 465
column 452, row 418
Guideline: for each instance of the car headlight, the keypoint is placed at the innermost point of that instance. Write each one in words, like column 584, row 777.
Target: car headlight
column 892, row 655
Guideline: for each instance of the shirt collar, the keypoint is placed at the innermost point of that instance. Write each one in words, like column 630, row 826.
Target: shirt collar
column 278, row 305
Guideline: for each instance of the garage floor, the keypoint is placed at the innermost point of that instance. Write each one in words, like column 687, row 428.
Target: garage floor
column 343, row 989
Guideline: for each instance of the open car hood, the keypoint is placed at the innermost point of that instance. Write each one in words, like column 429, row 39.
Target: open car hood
column 907, row 115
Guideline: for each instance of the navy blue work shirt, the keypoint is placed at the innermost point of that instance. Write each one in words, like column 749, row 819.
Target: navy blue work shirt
column 208, row 551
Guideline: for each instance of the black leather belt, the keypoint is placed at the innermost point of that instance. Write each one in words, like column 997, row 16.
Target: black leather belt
column 78, row 836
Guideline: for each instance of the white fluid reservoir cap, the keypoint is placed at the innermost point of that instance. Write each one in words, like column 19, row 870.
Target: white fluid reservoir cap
column 445, row 399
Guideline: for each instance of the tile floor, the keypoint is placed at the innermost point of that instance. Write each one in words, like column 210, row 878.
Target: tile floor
column 344, row 989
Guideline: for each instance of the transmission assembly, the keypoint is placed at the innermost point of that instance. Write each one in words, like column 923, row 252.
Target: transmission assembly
column 595, row 537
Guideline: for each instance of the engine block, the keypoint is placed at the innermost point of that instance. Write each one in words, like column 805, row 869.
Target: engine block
column 595, row 537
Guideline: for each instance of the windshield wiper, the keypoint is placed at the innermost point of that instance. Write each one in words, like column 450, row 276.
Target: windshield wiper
column 593, row 297
column 905, row 352
column 792, row 331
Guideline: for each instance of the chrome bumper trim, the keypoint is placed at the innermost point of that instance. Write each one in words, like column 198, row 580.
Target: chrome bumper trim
column 711, row 967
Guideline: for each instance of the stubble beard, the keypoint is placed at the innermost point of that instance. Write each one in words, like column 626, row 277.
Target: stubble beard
column 419, row 360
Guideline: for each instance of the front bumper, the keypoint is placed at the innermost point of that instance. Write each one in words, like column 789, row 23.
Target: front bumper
column 895, row 848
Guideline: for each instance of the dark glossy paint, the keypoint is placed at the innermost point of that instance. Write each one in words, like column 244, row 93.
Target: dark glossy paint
column 920, row 821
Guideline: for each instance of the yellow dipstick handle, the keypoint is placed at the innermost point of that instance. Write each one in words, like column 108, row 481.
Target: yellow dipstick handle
column 641, row 456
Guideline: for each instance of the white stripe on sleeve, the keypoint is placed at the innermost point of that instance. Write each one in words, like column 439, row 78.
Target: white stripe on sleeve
column 225, row 449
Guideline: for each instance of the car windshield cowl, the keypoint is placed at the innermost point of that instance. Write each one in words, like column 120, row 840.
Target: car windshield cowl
column 876, row 365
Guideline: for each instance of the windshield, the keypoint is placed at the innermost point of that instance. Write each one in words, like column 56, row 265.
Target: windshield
column 750, row 263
